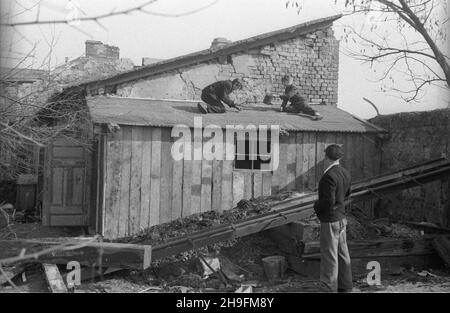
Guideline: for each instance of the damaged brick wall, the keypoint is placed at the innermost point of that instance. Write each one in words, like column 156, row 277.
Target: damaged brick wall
column 312, row 60
column 417, row 137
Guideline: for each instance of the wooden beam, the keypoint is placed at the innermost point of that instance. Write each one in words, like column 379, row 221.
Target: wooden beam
column 119, row 255
column 54, row 278
column 378, row 248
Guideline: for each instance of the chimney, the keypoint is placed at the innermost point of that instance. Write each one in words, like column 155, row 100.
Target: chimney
column 218, row 43
column 97, row 49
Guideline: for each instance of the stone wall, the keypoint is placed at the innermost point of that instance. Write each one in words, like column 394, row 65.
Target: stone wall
column 97, row 49
column 417, row 137
column 312, row 60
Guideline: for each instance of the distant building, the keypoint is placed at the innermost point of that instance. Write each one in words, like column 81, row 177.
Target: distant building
column 100, row 60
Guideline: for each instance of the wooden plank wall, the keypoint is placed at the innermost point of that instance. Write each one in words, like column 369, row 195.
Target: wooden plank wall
column 144, row 186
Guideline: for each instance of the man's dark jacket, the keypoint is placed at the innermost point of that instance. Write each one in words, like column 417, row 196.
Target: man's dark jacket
column 221, row 90
column 334, row 187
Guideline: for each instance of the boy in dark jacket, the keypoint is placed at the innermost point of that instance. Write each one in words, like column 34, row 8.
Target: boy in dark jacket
column 297, row 102
column 215, row 94
column 334, row 187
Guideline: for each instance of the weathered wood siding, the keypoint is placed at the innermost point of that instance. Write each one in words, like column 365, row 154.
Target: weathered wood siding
column 144, row 186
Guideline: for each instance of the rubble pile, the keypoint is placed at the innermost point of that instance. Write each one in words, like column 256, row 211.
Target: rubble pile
column 162, row 233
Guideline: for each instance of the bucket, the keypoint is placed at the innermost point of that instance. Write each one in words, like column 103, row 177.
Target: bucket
column 274, row 267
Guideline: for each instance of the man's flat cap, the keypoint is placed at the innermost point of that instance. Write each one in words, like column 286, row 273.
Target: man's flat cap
column 334, row 152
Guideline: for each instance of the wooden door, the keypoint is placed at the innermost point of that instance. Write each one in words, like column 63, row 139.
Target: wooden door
column 66, row 184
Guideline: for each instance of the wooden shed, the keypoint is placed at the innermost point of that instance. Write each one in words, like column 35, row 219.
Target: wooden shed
column 130, row 181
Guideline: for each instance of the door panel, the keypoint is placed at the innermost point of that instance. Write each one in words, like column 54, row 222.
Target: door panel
column 66, row 201
column 57, row 186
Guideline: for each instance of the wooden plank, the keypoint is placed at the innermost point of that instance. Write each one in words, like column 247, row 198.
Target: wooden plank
column 101, row 182
column 197, row 173
column 206, row 185
column 155, row 177
column 227, row 185
column 257, row 184
column 310, row 156
column 266, row 183
column 279, row 175
column 106, row 254
column 320, row 155
column 177, row 189
column 165, row 208
column 378, row 248
column 144, row 220
column 310, row 268
column 299, row 170
column 135, row 179
column 442, row 246
column 238, row 187
column 112, row 158
column 291, row 166
column 187, row 186
column 196, row 193
column 248, row 184
column 54, row 278
column 125, row 182
column 217, row 185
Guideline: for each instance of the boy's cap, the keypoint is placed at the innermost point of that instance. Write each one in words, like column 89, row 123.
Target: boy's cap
column 334, row 152
column 237, row 82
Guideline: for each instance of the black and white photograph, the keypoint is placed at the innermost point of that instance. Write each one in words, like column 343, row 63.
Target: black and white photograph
column 225, row 154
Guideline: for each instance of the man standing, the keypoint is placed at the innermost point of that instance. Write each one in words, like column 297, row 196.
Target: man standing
column 297, row 102
column 334, row 187
column 216, row 93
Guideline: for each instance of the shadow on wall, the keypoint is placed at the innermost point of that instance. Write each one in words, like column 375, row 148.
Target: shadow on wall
column 307, row 182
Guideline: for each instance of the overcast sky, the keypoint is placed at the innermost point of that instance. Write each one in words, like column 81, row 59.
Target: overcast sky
column 141, row 35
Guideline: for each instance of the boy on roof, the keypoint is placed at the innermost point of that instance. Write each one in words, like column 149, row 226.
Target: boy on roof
column 215, row 94
column 297, row 102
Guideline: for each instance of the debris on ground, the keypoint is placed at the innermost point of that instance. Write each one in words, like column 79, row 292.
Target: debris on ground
column 183, row 226
column 231, row 266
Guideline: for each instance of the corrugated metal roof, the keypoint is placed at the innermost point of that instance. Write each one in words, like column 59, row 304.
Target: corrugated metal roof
column 168, row 113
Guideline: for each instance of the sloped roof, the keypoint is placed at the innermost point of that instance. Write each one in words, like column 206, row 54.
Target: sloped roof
column 168, row 113
column 209, row 54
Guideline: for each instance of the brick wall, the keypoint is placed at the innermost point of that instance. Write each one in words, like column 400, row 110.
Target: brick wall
column 417, row 137
column 312, row 60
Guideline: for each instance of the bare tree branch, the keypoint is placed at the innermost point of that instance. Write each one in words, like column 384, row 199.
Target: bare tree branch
column 140, row 8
